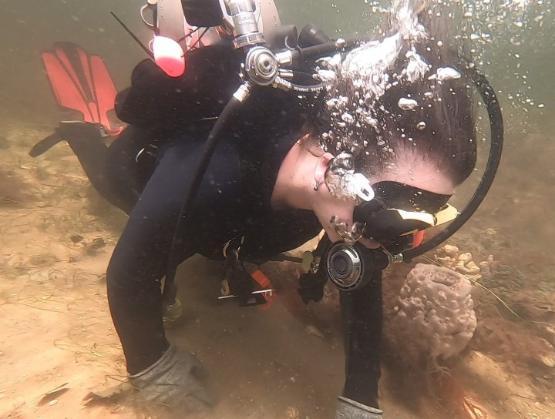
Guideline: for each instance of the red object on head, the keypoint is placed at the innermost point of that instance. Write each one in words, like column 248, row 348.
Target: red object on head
column 169, row 56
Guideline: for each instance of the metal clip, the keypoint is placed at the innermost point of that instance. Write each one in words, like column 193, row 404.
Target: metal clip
column 151, row 7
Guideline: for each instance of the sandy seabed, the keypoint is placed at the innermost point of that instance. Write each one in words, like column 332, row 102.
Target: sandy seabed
column 57, row 342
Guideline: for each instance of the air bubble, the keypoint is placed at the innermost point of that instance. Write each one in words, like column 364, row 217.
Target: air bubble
column 348, row 118
column 447, row 73
column 407, row 104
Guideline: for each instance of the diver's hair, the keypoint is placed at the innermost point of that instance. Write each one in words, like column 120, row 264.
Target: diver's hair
column 441, row 130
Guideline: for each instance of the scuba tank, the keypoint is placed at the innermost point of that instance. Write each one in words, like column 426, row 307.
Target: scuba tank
column 187, row 21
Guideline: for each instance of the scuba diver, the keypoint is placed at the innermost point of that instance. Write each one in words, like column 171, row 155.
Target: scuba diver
column 373, row 161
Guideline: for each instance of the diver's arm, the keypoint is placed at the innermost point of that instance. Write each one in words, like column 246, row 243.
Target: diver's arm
column 362, row 323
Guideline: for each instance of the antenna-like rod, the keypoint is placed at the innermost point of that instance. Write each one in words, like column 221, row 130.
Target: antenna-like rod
column 135, row 38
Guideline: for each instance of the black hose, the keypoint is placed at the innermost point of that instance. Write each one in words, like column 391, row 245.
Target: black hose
column 322, row 50
column 302, row 88
column 193, row 186
column 496, row 126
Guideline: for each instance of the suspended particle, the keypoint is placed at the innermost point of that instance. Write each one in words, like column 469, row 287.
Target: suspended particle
column 421, row 125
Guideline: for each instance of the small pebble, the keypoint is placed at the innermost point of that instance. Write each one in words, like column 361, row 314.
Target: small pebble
column 445, row 261
column 450, row 250
column 292, row 413
column 314, row 331
column 548, row 360
column 473, row 269
column 76, row 238
column 465, row 257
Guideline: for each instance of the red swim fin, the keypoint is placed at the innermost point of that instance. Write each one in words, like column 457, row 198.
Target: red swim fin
column 82, row 83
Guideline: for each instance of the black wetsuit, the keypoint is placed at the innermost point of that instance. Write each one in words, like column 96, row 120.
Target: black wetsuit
column 234, row 200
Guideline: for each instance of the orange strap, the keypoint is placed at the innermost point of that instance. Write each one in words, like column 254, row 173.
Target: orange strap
column 264, row 282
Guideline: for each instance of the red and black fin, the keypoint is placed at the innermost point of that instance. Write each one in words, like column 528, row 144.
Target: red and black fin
column 81, row 82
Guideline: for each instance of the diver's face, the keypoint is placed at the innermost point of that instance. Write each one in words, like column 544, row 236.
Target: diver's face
column 411, row 171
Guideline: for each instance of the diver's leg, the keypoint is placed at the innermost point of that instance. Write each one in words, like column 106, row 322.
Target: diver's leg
column 139, row 263
column 126, row 179
column 87, row 143
column 363, row 317
column 112, row 171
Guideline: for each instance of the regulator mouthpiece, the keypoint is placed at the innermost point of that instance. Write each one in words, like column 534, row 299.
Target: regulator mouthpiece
column 169, row 56
column 345, row 267
column 350, row 267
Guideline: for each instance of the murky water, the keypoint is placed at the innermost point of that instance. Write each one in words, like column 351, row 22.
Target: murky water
column 57, row 236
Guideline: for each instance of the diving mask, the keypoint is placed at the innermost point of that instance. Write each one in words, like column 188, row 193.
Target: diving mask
column 386, row 211
column 399, row 211
column 396, row 211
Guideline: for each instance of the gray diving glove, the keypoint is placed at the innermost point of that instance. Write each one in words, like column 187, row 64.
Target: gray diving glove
column 349, row 409
column 173, row 381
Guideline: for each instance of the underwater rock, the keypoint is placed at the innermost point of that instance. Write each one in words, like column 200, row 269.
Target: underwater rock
column 435, row 313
